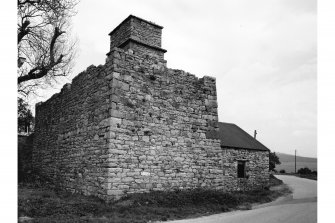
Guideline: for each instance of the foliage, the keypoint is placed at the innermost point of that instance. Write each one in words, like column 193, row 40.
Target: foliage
column 282, row 171
column 24, row 167
column 25, row 119
column 274, row 159
column 304, row 170
column 45, row 50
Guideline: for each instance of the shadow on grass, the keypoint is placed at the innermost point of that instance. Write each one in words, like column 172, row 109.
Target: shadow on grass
column 47, row 205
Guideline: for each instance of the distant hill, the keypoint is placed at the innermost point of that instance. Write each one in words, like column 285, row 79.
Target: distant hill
column 287, row 162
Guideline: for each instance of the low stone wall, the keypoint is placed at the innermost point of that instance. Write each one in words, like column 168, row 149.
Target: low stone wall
column 257, row 169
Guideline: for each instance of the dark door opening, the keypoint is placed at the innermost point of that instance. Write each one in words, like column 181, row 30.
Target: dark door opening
column 241, row 169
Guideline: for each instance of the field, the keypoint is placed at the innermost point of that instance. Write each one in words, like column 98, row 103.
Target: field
column 287, row 162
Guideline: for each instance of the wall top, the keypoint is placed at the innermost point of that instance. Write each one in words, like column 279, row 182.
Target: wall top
column 132, row 16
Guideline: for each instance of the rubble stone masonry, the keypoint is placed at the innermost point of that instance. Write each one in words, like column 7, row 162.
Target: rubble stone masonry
column 134, row 125
column 257, row 169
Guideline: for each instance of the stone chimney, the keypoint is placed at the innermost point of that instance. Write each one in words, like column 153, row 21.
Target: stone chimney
column 139, row 36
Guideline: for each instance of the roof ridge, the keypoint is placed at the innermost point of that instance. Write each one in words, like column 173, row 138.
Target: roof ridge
column 233, row 135
column 251, row 136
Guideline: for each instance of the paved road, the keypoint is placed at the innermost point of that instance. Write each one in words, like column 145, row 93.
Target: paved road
column 299, row 208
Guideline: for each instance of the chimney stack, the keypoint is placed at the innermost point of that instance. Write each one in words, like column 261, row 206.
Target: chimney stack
column 255, row 133
column 140, row 36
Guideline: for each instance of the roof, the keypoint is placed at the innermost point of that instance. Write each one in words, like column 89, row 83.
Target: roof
column 233, row 136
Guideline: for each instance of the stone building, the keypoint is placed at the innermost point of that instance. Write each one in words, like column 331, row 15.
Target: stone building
column 244, row 158
column 135, row 125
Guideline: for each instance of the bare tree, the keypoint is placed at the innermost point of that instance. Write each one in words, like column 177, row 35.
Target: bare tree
column 45, row 50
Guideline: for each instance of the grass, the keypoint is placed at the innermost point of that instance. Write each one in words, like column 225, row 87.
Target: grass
column 274, row 181
column 48, row 205
column 311, row 176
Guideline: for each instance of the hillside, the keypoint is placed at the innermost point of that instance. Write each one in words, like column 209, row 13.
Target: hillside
column 287, row 162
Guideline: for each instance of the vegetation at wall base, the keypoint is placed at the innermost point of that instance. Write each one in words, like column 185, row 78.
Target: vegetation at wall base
column 25, row 157
column 44, row 204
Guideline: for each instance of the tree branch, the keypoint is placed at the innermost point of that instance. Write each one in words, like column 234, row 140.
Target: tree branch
column 24, row 30
column 42, row 42
column 39, row 72
column 57, row 33
column 19, row 3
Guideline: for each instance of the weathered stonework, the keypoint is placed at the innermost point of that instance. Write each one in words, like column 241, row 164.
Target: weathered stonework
column 134, row 125
column 257, row 169
column 142, row 36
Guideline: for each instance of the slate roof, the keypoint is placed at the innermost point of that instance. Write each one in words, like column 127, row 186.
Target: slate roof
column 233, row 136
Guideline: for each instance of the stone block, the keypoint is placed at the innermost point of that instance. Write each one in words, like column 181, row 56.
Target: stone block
column 179, row 159
column 116, row 75
column 123, row 187
column 145, row 173
column 110, row 135
column 116, row 113
column 117, row 151
column 127, row 78
column 127, row 179
column 115, row 192
column 114, row 170
column 114, row 180
column 146, row 138
column 124, row 86
column 109, row 77
column 114, row 122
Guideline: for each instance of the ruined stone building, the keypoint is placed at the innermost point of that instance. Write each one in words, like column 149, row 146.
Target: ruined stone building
column 135, row 125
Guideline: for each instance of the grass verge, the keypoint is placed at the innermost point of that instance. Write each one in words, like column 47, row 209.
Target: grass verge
column 47, row 205
column 311, row 176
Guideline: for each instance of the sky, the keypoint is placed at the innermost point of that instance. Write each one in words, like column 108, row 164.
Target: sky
column 263, row 54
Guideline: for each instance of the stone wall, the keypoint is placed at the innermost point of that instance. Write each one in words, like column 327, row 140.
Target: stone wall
column 69, row 144
column 131, row 125
column 163, row 124
column 134, row 125
column 146, row 32
column 143, row 50
column 257, row 169
column 120, row 34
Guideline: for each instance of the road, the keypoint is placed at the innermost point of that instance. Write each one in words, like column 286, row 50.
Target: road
column 299, row 208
